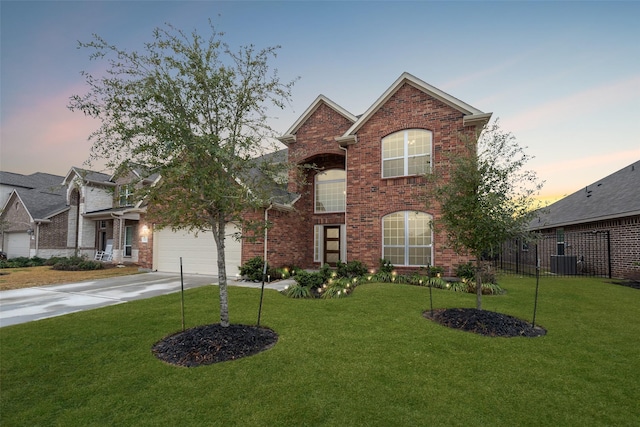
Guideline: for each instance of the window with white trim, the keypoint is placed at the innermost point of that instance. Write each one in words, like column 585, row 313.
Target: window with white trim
column 330, row 191
column 407, row 152
column 126, row 195
column 407, row 238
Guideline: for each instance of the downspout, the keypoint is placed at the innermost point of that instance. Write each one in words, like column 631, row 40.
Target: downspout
column 266, row 235
column 77, row 230
column 346, row 157
column 120, row 246
column 264, row 267
column 37, row 237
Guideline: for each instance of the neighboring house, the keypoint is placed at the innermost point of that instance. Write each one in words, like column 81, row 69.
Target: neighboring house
column 607, row 210
column 103, row 214
column 32, row 206
column 79, row 214
column 363, row 200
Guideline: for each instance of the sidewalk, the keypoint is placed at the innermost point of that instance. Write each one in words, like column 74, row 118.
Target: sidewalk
column 29, row 304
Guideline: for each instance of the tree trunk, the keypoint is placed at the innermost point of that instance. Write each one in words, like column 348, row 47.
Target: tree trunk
column 478, row 283
column 219, row 236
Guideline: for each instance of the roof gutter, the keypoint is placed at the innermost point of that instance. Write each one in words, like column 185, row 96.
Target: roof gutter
column 476, row 119
column 585, row 220
column 287, row 139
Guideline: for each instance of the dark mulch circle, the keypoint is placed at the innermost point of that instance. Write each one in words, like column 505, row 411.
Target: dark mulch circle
column 207, row 344
column 484, row 322
column 635, row 284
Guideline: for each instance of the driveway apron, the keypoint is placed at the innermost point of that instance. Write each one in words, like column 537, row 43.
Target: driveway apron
column 28, row 304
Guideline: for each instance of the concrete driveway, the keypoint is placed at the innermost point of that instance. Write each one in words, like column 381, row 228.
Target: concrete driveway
column 28, row 304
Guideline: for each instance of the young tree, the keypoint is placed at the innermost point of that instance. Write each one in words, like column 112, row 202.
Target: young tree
column 484, row 195
column 195, row 112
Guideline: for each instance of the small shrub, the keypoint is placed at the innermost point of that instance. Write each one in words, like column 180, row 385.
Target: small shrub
column 351, row 269
column 466, row 271
column 309, row 280
column 385, row 266
column 77, row 264
column 22, row 262
column 434, row 271
column 54, row 260
column 37, row 261
column 252, row 269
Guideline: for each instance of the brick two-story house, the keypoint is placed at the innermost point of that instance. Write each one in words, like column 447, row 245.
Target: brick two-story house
column 363, row 198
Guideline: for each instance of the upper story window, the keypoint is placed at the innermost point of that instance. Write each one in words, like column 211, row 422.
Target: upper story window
column 330, row 191
column 407, row 152
column 407, row 238
column 126, row 195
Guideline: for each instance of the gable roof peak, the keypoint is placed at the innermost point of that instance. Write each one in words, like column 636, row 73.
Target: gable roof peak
column 289, row 136
column 88, row 176
column 472, row 116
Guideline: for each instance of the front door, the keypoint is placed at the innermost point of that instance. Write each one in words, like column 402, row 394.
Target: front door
column 332, row 245
column 128, row 240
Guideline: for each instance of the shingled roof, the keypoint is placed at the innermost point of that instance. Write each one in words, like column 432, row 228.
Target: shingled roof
column 44, row 203
column 615, row 196
column 35, row 180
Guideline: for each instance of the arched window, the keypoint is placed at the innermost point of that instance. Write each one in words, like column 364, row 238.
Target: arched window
column 407, row 152
column 407, row 238
column 330, row 191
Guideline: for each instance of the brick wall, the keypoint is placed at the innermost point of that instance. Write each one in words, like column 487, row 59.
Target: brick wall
column 145, row 249
column 624, row 236
column 53, row 235
column 16, row 215
column 369, row 196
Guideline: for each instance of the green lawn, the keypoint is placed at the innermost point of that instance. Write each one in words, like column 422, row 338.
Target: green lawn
column 369, row 359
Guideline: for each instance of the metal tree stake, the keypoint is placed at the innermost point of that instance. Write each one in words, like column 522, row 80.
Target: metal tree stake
column 182, row 293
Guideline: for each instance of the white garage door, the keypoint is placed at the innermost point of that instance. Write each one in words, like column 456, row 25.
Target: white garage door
column 16, row 244
column 199, row 254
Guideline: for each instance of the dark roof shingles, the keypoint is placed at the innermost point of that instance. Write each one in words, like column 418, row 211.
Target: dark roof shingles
column 616, row 195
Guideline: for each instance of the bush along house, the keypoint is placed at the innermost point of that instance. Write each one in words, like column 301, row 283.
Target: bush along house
column 362, row 199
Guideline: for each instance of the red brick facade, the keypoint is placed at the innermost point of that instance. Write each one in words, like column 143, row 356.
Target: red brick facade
column 369, row 197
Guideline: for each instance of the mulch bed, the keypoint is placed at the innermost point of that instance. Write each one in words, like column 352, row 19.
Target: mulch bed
column 484, row 322
column 635, row 284
column 208, row 344
column 204, row 345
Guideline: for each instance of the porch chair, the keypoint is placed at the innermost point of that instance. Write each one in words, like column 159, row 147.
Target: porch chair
column 107, row 254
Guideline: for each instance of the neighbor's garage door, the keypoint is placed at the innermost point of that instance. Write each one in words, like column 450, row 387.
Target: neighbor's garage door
column 199, row 254
column 16, row 244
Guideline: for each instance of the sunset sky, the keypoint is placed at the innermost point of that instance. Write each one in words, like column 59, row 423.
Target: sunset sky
column 563, row 77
